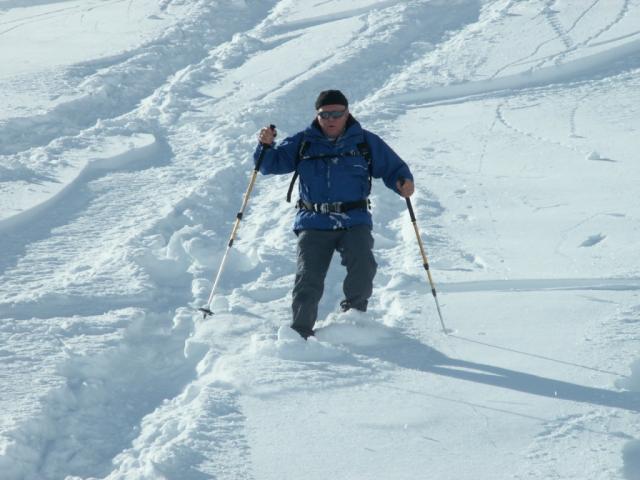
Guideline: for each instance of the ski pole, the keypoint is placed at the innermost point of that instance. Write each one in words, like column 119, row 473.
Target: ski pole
column 206, row 310
column 425, row 261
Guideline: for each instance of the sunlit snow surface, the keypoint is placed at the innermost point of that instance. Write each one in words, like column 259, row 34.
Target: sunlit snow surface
column 126, row 135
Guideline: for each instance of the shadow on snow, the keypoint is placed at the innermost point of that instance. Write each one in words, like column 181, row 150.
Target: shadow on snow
column 407, row 352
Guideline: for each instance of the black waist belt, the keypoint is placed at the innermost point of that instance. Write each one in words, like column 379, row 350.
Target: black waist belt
column 336, row 207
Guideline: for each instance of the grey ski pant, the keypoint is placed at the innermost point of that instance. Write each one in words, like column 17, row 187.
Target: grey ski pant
column 315, row 249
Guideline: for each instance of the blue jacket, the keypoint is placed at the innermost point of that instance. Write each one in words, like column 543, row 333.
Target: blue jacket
column 334, row 179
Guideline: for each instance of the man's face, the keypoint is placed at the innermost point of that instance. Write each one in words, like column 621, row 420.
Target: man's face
column 333, row 127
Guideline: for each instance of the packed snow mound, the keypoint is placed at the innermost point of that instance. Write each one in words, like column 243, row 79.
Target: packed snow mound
column 351, row 328
column 331, row 334
column 289, row 345
column 632, row 382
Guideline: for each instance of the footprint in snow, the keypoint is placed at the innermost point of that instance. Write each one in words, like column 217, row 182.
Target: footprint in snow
column 593, row 240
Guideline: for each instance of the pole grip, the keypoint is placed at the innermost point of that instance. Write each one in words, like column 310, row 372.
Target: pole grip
column 409, row 206
column 263, row 150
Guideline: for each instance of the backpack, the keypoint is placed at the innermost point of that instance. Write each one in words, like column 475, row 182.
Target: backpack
column 363, row 151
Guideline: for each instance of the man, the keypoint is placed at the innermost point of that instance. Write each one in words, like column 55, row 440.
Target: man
column 335, row 172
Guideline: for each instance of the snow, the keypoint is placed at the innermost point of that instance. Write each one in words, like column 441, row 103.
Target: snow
column 126, row 135
column 70, row 32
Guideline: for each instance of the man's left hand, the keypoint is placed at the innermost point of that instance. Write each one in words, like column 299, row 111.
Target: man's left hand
column 405, row 188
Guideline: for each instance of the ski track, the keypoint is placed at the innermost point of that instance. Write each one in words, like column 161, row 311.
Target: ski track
column 323, row 19
column 608, row 64
column 550, row 16
column 10, row 4
column 522, row 60
column 166, row 234
column 93, row 415
column 572, row 118
column 605, row 63
column 572, row 46
column 103, row 98
column 502, row 119
column 34, row 456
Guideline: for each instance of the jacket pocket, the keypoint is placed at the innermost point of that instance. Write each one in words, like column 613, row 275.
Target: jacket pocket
column 350, row 178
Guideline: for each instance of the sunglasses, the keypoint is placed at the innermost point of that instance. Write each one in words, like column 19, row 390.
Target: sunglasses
column 335, row 115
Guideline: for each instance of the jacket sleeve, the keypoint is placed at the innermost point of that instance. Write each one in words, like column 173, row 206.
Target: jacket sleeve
column 280, row 158
column 386, row 164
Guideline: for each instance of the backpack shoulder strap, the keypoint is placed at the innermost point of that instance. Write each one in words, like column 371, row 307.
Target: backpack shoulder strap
column 365, row 151
column 301, row 151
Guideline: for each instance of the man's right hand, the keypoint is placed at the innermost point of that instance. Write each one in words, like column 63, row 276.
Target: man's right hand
column 267, row 135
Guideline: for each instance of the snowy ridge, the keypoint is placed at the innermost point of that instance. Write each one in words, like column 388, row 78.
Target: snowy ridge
column 115, row 153
column 504, row 110
column 573, row 71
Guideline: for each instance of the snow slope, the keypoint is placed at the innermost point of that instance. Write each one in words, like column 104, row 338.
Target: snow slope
column 126, row 136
